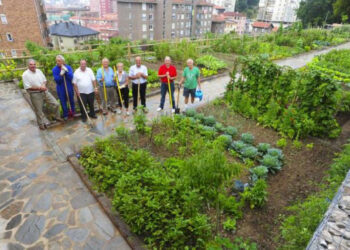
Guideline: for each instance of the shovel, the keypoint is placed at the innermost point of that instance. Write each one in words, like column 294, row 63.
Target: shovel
column 177, row 109
column 170, row 95
column 87, row 115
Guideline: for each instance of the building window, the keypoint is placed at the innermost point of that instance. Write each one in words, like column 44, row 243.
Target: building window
column 144, row 27
column 13, row 53
column 129, row 5
column 144, row 17
column 151, row 27
column 130, row 15
column 173, row 34
column 150, row 17
column 144, row 36
column 9, row 37
column 173, row 16
column 174, row 6
column 151, row 36
column 144, row 6
column 150, row 6
column 173, row 26
column 0, row 2
column 3, row 19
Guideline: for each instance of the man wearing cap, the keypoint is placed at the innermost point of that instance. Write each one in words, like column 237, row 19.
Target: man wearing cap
column 63, row 75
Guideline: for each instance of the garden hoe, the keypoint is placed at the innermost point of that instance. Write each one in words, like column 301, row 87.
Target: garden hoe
column 170, row 96
column 177, row 109
column 118, row 86
column 104, row 90
column 70, row 111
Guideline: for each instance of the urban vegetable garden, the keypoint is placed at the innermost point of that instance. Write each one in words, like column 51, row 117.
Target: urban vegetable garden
column 253, row 169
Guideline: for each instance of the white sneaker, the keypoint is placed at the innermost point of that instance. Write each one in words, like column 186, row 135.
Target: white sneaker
column 173, row 111
column 159, row 109
column 119, row 112
column 127, row 113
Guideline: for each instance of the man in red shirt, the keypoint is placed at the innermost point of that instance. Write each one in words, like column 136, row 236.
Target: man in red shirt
column 167, row 71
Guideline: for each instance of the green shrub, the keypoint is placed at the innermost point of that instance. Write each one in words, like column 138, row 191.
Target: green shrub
column 199, row 116
column 247, row 138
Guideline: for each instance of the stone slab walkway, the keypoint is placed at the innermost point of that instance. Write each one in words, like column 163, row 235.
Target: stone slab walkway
column 43, row 203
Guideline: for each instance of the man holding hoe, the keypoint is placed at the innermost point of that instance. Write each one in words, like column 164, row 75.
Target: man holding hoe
column 167, row 74
column 63, row 75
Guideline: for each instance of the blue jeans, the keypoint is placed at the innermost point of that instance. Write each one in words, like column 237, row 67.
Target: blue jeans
column 165, row 88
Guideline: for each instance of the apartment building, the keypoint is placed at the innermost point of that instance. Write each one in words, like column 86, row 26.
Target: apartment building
column 236, row 22
column 102, row 7
column 229, row 5
column 278, row 11
column 163, row 19
column 21, row 21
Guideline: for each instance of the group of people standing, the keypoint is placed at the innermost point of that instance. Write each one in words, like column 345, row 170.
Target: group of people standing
column 108, row 86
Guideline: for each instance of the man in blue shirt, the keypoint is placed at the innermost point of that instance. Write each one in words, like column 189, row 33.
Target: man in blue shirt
column 105, row 76
column 63, row 73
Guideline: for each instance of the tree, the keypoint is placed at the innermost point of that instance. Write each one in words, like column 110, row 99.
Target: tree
column 342, row 10
column 316, row 12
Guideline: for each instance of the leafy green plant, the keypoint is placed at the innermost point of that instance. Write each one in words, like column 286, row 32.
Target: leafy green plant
column 231, row 131
column 230, row 224
column 225, row 243
column 263, row 147
column 226, row 139
column 282, row 143
column 209, row 121
column 272, row 163
column 297, row 144
column 140, row 121
column 256, row 195
column 191, row 112
column 249, row 152
column 211, row 62
column 247, row 138
column 259, row 172
column 275, row 152
column 238, row 145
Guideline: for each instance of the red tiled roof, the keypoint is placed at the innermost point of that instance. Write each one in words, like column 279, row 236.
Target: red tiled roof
column 230, row 13
column 218, row 18
column 219, row 7
column 262, row 25
column 204, row 3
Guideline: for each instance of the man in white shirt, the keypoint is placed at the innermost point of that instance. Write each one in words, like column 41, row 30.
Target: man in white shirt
column 34, row 82
column 85, row 85
column 138, row 74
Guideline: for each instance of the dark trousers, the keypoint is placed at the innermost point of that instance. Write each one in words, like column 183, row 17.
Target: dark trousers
column 125, row 96
column 164, row 88
column 135, row 95
column 88, row 100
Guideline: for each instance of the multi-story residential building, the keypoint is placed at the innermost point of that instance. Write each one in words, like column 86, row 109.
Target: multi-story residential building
column 68, row 35
column 163, row 19
column 229, row 5
column 218, row 24
column 236, row 22
column 106, row 25
column 19, row 25
column 102, row 7
column 278, row 11
column 262, row 27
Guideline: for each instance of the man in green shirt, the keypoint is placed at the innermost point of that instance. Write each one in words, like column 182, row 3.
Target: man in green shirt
column 191, row 77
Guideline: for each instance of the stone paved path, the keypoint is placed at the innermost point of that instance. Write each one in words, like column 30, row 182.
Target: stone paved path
column 43, row 203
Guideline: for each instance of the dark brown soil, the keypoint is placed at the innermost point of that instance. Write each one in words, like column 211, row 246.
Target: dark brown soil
column 303, row 170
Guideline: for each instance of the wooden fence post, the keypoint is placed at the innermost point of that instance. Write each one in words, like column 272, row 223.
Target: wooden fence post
column 129, row 52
